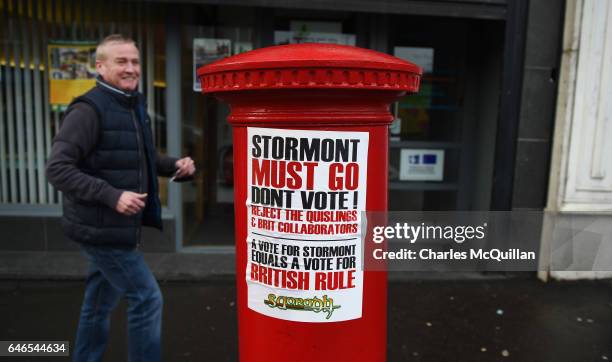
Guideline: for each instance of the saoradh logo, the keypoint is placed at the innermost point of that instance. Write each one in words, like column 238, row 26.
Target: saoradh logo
column 314, row 304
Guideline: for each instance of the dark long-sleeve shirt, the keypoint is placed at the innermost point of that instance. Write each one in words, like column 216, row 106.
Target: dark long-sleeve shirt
column 76, row 138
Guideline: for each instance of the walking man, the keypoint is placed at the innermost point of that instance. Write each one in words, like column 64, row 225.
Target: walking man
column 104, row 161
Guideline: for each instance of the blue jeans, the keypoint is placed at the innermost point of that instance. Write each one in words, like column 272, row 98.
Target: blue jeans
column 115, row 273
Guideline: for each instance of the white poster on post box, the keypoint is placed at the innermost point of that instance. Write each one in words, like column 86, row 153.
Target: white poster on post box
column 306, row 192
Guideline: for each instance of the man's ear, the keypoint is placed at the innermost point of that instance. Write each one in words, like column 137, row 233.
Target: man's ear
column 100, row 68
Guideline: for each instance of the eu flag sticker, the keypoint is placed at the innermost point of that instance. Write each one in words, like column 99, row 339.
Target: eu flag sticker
column 421, row 165
column 429, row 159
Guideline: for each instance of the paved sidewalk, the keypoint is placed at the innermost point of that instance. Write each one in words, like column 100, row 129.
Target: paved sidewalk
column 434, row 320
column 63, row 265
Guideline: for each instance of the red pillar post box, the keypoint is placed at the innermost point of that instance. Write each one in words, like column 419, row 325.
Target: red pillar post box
column 310, row 125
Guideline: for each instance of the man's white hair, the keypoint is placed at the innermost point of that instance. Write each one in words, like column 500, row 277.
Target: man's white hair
column 113, row 38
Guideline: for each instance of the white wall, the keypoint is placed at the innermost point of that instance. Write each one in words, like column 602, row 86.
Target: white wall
column 581, row 166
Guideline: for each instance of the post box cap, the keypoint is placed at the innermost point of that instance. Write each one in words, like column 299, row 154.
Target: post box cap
column 310, row 65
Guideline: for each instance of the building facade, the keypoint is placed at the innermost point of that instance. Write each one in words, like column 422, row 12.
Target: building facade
column 579, row 195
column 487, row 101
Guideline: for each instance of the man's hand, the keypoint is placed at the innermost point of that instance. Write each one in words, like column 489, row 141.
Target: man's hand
column 185, row 167
column 130, row 203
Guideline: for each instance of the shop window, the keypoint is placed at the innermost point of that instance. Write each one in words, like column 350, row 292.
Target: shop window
column 43, row 42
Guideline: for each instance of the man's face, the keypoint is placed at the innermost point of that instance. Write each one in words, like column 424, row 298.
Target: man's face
column 120, row 66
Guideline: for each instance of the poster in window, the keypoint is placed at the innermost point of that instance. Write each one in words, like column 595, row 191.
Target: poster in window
column 242, row 46
column 72, row 71
column 205, row 51
column 421, row 165
column 298, row 37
